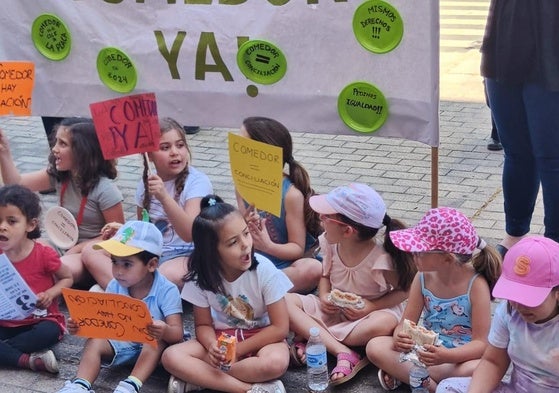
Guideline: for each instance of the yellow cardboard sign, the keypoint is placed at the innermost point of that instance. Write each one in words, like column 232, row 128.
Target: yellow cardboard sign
column 109, row 316
column 257, row 171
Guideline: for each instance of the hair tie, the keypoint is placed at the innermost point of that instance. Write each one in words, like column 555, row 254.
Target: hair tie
column 211, row 202
column 145, row 215
column 290, row 160
column 386, row 220
column 481, row 243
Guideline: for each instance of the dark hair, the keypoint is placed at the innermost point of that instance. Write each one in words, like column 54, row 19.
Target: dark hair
column 403, row 261
column 167, row 124
column 25, row 200
column 487, row 262
column 88, row 157
column 204, row 265
column 272, row 132
column 144, row 256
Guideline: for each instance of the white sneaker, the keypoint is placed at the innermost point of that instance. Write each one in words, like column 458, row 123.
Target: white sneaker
column 71, row 387
column 275, row 386
column 124, row 387
column 178, row 386
column 97, row 288
column 47, row 361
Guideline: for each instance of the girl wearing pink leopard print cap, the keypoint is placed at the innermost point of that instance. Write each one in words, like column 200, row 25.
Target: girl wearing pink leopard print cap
column 451, row 293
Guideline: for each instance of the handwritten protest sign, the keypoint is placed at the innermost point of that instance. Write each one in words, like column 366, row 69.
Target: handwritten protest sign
column 257, row 171
column 16, row 87
column 108, row 315
column 17, row 300
column 127, row 125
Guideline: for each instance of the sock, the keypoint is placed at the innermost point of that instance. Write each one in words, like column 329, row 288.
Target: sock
column 135, row 382
column 38, row 365
column 23, row 361
column 83, row 382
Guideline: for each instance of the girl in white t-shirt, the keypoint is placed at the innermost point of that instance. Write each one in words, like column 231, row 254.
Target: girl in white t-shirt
column 525, row 327
column 171, row 195
column 232, row 291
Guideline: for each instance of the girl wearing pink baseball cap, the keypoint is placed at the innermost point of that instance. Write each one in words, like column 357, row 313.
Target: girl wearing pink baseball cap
column 450, row 294
column 525, row 327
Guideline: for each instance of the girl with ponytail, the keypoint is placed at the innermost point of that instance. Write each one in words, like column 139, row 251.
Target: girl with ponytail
column 356, row 266
column 289, row 240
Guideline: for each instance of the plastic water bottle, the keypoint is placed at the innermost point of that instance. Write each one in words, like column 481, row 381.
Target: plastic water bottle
column 419, row 378
column 317, row 362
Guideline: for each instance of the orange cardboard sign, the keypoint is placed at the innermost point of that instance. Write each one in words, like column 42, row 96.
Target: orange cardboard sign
column 16, row 87
column 126, row 125
column 109, row 315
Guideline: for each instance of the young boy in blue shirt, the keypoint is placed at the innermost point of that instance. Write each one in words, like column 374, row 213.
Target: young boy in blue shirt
column 135, row 251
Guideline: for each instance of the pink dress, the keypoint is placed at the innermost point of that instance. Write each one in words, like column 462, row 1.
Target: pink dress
column 366, row 279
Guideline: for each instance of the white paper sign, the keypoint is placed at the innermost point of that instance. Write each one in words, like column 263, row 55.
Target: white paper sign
column 17, row 300
column 186, row 53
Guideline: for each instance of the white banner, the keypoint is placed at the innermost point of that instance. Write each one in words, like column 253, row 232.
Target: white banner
column 185, row 52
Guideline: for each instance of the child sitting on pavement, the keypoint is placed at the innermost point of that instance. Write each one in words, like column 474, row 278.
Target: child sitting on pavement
column 233, row 291
column 354, row 261
column 25, row 343
column 135, row 251
column 525, row 328
column 452, row 294
column 289, row 241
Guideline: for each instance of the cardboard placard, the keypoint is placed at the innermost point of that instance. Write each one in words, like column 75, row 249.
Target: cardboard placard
column 109, row 316
column 16, row 87
column 257, row 171
column 127, row 125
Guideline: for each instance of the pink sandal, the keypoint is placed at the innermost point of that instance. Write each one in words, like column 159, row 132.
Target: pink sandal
column 357, row 363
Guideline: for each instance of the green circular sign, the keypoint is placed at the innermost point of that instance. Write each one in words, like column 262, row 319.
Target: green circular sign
column 116, row 70
column 378, row 26
column 261, row 62
column 362, row 107
column 51, row 37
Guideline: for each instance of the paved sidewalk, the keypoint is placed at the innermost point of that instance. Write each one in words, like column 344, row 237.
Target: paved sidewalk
column 469, row 179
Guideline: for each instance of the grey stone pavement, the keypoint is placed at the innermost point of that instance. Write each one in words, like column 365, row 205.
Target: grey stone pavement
column 469, row 179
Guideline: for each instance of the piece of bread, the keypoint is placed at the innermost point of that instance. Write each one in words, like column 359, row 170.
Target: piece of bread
column 346, row 299
column 419, row 334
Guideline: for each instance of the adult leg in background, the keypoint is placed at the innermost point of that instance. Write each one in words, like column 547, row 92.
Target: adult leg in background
column 520, row 177
column 542, row 109
column 528, row 122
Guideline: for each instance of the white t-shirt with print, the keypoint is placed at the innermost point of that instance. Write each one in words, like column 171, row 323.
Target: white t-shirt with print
column 244, row 305
column 197, row 185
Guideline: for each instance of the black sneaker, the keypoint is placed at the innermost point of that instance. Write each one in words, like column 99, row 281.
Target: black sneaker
column 191, row 130
column 494, row 145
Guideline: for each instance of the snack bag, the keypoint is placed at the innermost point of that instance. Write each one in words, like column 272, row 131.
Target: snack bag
column 227, row 345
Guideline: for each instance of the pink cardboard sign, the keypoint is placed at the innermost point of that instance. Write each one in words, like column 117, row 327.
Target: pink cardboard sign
column 126, row 125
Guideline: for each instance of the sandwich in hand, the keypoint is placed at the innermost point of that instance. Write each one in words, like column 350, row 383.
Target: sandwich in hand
column 419, row 334
column 346, row 299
